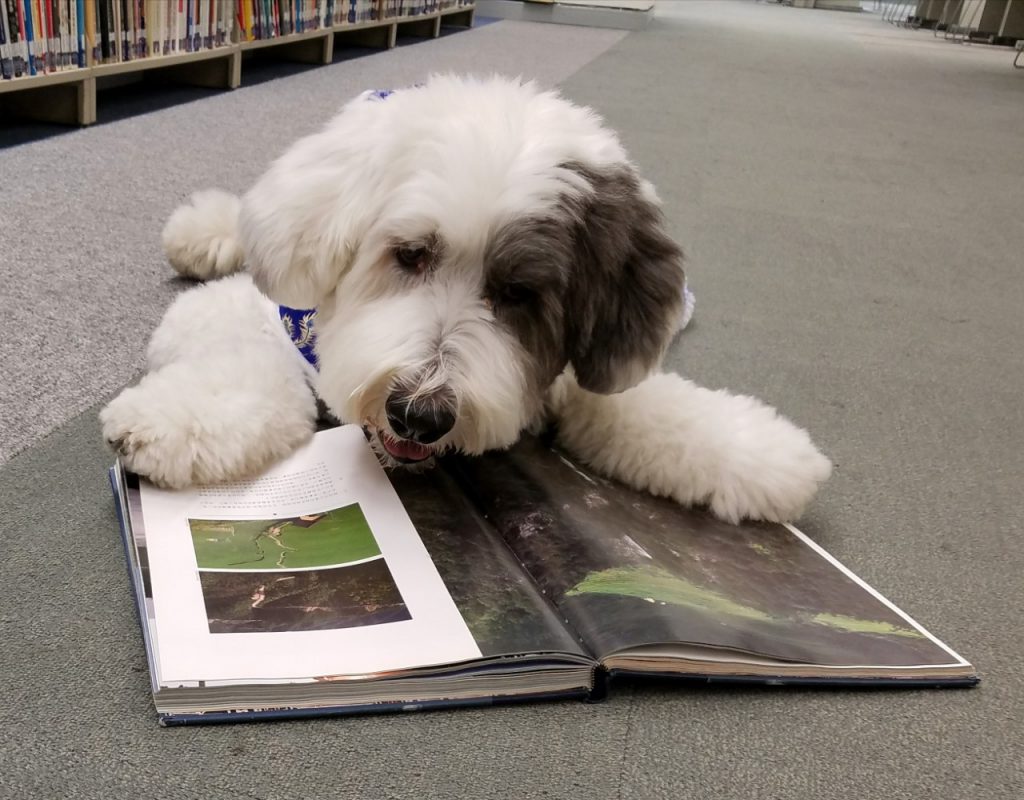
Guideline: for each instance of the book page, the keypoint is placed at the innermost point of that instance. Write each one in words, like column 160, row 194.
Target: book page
column 503, row 608
column 628, row 570
column 311, row 570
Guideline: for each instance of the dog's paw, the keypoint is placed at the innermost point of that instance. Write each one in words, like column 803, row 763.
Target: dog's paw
column 765, row 467
column 190, row 424
column 699, row 447
column 200, row 238
column 148, row 441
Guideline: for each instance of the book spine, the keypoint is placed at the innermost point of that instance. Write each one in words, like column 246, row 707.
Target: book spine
column 141, row 35
column 15, row 39
column 168, row 31
column 71, row 32
column 41, row 37
column 89, row 26
column 80, row 29
column 188, row 26
column 74, row 50
column 126, row 31
column 46, row 25
column 67, row 26
column 115, row 31
column 25, row 24
column 6, row 61
column 38, row 34
column 127, row 51
column 63, row 31
column 104, row 30
column 51, row 14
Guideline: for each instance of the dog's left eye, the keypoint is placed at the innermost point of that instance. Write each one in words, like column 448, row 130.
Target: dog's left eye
column 411, row 258
column 515, row 294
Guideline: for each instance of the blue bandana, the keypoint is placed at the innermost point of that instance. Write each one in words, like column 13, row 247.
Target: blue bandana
column 298, row 324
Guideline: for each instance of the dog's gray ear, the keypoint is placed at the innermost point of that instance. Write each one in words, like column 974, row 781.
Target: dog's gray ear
column 625, row 294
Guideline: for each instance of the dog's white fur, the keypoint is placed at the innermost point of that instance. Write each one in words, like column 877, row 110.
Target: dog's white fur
column 227, row 393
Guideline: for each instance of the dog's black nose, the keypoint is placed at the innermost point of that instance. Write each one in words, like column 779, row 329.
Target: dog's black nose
column 421, row 419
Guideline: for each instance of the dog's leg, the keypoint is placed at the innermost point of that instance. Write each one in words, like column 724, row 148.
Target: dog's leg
column 227, row 393
column 201, row 236
column 674, row 439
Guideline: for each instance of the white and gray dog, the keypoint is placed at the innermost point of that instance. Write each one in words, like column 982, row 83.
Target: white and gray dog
column 483, row 259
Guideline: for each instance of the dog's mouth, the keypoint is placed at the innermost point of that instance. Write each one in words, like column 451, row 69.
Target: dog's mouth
column 404, row 450
column 394, row 451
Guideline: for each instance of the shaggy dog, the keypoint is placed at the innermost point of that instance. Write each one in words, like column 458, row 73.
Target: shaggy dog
column 483, row 259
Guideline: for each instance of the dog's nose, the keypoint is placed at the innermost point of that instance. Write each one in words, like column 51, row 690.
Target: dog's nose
column 421, row 419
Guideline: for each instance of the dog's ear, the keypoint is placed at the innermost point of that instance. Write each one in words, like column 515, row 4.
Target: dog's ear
column 625, row 294
column 302, row 222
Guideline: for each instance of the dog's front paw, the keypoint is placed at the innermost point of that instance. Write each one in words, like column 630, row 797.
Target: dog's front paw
column 674, row 439
column 197, row 423
column 200, row 238
column 148, row 441
column 766, row 468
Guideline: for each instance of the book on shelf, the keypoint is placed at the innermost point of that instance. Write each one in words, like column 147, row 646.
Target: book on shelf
column 329, row 586
column 44, row 36
column 39, row 37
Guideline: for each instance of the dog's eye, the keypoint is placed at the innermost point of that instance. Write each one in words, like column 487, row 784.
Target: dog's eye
column 411, row 258
column 515, row 294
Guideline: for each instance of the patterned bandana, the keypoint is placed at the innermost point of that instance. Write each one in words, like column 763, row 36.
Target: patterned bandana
column 298, row 324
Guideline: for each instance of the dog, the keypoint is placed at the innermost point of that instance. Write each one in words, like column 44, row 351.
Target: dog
column 482, row 259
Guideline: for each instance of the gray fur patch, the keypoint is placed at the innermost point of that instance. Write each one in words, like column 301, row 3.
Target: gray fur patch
column 597, row 283
column 625, row 293
column 527, row 270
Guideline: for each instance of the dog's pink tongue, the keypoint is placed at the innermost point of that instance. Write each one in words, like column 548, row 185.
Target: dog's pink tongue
column 406, row 450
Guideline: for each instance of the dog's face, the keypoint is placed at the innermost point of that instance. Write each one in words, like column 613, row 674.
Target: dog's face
column 464, row 243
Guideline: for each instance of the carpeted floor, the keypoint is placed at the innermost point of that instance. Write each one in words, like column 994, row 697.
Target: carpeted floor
column 849, row 196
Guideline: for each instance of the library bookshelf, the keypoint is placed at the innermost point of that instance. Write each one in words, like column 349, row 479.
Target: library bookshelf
column 70, row 97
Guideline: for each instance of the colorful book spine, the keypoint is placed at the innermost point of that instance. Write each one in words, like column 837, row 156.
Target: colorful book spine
column 15, row 39
column 6, row 62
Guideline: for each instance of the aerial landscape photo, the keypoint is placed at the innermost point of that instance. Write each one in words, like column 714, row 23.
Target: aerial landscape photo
column 338, row 536
column 317, row 571
column 628, row 569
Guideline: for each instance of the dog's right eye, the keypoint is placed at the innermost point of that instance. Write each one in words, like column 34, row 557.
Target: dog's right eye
column 411, row 258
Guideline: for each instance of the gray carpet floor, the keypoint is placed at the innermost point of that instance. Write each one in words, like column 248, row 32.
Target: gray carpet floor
column 849, row 197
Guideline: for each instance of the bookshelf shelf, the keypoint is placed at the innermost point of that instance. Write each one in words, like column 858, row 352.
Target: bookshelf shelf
column 17, row 84
column 70, row 97
column 156, row 62
column 291, row 38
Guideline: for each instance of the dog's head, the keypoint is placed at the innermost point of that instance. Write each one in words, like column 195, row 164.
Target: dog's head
column 464, row 243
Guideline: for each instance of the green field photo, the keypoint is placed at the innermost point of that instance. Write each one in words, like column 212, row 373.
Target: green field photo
column 331, row 538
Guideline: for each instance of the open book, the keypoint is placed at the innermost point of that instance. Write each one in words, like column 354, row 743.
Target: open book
column 329, row 586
